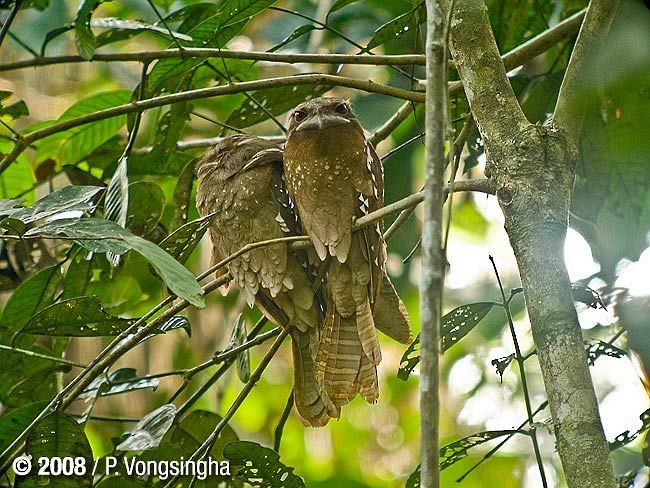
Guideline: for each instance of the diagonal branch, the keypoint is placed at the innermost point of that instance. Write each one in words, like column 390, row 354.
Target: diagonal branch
column 490, row 95
column 570, row 109
column 231, row 88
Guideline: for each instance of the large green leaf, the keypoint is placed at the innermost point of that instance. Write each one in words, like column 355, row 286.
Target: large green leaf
column 146, row 204
column 75, row 317
column 261, row 466
column 75, row 144
column 397, row 27
column 13, row 423
column 33, row 295
column 69, row 198
column 58, row 435
column 101, row 235
column 214, row 31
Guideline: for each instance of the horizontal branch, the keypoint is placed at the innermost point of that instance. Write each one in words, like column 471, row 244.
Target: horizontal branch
column 202, row 53
column 229, row 89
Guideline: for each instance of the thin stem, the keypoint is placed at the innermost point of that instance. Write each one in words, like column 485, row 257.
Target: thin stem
column 279, row 429
column 208, row 444
column 198, row 52
column 215, row 377
column 10, row 18
column 232, row 88
column 522, row 373
column 26, row 352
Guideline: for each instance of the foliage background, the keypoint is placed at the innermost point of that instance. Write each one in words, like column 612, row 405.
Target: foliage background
column 370, row 445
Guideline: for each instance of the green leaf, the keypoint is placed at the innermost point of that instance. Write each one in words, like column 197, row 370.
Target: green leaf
column 455, row 325
column 262, row 466
column 84, row 37
column 15, row 110
column 183, row 240
column 148, row 433
column 8, row 206
column 275, row 101
column 33, row 295
column 170, row 128
column 183, row 195
column 146, row 204
column 69, row 198
column 298, row 32
column 75, row 144
column 78, row 274
column 18, row 178
column 76, row 317
column 339, row 4
column 214, row 32
column 13, row 423
column 456, row 451
column 121, row 29
column 237, row 338
column 120, row 381
column 176, row 322
column 100, row 235
column 57, row 435
column 397, row 27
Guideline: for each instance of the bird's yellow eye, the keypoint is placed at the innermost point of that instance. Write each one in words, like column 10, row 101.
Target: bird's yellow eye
column 342, row 108
column 299, row 115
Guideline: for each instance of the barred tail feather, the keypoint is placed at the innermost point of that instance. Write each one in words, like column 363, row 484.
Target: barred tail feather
column 310, row 404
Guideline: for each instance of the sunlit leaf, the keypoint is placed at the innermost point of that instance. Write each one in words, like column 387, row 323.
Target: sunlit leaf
column 455, row 325
column 120, row 381
column 68, row 198
column 175, row 322
column 148, row 433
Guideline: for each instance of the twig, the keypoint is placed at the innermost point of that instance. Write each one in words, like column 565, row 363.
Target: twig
column 522, row 373
column 215, row 377
column 208, row 444
column 391, row 124
column 279, row 429
column 33, row 354
column 197, row 52
column 232, row 88
column 10, row 18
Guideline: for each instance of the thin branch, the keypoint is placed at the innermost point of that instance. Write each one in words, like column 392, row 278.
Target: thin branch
column 489, row 93
column 433, row 262
column 279, row 429
column 570, row 107
column 391, row 124
column 10, row 18
column 26, row 352
column 207, row 445
column 232, row 88
column 522, row 374
column 215, row 377
column 197, row 52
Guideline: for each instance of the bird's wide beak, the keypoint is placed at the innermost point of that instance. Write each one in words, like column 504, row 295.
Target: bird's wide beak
column 320, row 121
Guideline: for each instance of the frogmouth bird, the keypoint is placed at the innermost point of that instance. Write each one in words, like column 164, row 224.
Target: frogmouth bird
column 240, row 181
column 333, row 177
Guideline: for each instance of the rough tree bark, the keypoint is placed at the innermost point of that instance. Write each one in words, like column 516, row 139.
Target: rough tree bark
column 532, row 168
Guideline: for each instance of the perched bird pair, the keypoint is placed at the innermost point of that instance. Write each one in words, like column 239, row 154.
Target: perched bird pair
column 333, row 297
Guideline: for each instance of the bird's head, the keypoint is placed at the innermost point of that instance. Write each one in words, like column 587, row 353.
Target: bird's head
column 321, row 113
